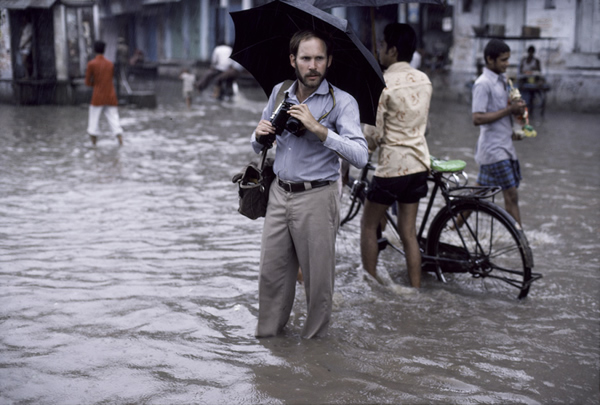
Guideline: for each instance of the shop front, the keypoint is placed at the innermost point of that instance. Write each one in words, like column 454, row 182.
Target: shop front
column 49, row 44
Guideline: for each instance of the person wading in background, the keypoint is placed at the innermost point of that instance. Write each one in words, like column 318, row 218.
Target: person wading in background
column 99, row 75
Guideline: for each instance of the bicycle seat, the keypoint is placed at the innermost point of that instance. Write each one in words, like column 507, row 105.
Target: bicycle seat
column 447, row 166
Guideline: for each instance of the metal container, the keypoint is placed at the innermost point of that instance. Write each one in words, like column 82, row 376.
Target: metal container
column 530, row 32
column 494, row 30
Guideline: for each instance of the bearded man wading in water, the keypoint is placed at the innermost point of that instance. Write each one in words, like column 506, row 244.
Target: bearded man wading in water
column 303, row 211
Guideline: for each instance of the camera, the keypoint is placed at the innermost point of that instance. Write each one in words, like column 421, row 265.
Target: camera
column 282, row 120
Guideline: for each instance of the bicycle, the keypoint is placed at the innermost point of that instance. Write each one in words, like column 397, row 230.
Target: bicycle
column 469, row 234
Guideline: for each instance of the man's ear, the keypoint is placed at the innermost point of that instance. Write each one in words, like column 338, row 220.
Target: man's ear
column 293, row 60
column 330, row 60
column 393, row 51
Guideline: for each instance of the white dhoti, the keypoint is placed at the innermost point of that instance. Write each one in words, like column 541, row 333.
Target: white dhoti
column 112, row 116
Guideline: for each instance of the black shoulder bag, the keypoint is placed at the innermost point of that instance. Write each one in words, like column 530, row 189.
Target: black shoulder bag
column 254, row 182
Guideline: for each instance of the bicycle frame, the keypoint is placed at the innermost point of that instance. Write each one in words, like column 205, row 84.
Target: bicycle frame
column 455, row 193
column 357, row 191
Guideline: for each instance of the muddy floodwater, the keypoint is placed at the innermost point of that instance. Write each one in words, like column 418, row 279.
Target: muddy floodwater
column 128, row 277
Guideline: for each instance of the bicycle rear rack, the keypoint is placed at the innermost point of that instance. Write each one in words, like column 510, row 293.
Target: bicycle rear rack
column 474, row 192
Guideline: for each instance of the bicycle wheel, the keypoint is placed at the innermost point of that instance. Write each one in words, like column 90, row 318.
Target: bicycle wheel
column 480, row 238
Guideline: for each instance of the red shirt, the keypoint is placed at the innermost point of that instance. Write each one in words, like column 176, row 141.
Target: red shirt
column 99, row 75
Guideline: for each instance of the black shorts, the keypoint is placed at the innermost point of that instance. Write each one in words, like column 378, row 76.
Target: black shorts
column 405, row 189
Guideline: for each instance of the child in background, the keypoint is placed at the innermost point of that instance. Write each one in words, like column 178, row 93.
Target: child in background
column 188, row 86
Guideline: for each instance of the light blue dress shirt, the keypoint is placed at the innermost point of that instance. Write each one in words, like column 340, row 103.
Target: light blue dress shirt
column 495, row 139
column 306, row 158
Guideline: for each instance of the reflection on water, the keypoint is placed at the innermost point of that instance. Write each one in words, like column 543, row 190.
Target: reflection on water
column 128, row 276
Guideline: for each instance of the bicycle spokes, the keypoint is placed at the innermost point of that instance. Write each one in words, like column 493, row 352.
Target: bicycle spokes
column 491, row 250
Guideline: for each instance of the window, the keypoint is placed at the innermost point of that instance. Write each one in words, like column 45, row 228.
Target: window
column 79, row 39
column 587, row 26
column 467, row 6
column 509, row 13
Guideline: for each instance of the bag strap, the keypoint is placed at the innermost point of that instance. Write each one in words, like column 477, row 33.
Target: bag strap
column 263, row 158
column 282, row 93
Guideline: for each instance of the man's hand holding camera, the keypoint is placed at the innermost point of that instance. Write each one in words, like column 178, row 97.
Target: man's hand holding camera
column 265, row 133
column 303, row 114
column 296, row 118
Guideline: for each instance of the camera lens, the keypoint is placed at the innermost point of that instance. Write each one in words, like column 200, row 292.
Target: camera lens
column 293, row 125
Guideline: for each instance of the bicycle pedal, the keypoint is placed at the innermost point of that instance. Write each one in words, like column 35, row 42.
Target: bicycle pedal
column 382, row 243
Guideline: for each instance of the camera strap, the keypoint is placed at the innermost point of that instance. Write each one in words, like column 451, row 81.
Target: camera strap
column 283, row 95
column 333, row 97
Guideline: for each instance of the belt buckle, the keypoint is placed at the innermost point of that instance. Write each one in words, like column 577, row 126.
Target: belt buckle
column 285, row 185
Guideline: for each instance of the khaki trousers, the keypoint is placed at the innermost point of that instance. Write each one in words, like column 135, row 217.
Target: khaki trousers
column 299, row 231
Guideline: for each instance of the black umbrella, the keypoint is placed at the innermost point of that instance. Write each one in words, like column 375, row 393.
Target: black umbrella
column 370, row 3
column 324, row 4
column 262, row 36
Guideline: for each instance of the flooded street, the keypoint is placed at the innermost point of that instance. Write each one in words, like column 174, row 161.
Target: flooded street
column 127, row 275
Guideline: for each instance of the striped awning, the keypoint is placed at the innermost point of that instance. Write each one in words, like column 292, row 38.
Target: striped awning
column 78, row 3
column 152, row 2
column 23, row 4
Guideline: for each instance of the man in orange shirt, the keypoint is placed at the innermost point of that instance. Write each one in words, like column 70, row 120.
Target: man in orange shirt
column 99, row 75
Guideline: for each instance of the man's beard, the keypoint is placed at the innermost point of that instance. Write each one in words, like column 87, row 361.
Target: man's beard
column 301, row 79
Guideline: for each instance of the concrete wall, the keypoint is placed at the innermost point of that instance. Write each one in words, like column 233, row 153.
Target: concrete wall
column 6, row 70
column 574, row 77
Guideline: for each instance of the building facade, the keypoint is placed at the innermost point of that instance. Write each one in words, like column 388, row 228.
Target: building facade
column 565, row 33
column 46, row 44
column 175, row 33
